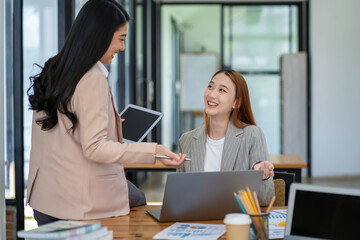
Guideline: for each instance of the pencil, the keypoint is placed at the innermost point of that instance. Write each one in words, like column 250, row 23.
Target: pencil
column 257, row 203
column 257, row 221
column 252, row 201
column 248, row 201
column 245, row 204
column 259, row 226
column 270, row 205
column 238, row 200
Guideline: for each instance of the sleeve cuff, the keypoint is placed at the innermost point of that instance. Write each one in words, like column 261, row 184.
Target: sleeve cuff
column 255, row 164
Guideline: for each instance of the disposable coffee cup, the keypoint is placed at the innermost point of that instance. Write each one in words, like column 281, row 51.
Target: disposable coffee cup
column 237, row 226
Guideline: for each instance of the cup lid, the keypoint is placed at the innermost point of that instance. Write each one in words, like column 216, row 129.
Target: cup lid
column 237, row 219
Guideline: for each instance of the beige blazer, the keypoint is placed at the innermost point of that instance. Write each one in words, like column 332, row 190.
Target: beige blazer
column 80, row 175
column 242, row 149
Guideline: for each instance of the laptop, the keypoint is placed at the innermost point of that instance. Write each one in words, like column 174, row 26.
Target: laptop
column 138, row 122
column 318, row 212
column 204, row 195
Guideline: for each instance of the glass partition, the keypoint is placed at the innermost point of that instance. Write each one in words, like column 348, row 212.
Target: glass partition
column 9, row 147
column 255, row 37
column 188, row 31
column 40, row 42
column 264, row 92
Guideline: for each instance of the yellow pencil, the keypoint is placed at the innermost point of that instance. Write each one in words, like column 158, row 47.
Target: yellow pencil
column 248, row 201
column 252, row 201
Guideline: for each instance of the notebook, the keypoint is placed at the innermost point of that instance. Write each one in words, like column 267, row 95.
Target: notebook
column 318, row 212
column 138, row 122
column 204, row 195
column 60, row 229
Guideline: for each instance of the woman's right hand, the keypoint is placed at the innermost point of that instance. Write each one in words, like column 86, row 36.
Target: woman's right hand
column 175, row 160
column 267, row 167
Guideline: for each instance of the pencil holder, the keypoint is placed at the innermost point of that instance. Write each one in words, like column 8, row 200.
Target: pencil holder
column 259, row 226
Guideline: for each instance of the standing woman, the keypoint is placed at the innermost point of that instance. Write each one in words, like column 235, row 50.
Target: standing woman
column 229, row 140
column 77, row 153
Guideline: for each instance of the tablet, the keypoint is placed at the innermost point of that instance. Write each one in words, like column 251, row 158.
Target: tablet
column 138, row 122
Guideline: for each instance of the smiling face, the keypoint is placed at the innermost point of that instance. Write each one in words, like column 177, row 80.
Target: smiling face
column 219, row 97
column 117, row 44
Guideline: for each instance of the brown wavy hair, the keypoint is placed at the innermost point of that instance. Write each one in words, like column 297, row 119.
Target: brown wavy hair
column 242, row 115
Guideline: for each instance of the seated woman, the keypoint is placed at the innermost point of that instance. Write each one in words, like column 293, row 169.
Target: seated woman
column 229, row 140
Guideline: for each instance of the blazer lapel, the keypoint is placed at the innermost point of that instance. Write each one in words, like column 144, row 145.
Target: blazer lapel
column 118, row 120
column 232, row 144
column 198, row 150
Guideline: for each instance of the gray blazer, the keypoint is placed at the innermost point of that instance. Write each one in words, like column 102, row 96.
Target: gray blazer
column 242, row 149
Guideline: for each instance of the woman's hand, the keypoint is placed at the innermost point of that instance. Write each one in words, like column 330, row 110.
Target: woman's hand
column 174, row 160
column 267, row 167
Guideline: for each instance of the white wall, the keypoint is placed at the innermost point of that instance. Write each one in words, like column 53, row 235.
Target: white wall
column 335, row 67
column 2, row 120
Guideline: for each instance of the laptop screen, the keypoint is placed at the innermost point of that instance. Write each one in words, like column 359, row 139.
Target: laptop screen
column 195, row 196
column 325, row 214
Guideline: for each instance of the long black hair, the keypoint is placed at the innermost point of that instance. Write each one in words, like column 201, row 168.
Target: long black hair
column 87, row 41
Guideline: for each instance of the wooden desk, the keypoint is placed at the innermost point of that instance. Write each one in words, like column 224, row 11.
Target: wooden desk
column 283, row 162
column 288, row 163
column 139, row 225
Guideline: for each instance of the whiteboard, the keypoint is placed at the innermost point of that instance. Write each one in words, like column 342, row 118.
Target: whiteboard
column 196, row 70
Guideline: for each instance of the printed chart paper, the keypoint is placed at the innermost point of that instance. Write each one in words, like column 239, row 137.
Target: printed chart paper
column 192, row 231
column 277, row 221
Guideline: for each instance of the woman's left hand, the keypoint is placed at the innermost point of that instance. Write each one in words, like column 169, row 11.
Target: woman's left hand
column 267, row 167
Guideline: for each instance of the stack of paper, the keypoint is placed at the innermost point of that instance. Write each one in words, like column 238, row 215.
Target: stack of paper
column 68, row 230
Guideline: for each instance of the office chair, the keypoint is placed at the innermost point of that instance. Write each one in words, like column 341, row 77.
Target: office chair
column 282, row 182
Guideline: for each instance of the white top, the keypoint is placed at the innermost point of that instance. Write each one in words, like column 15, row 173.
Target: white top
column 213, row 154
